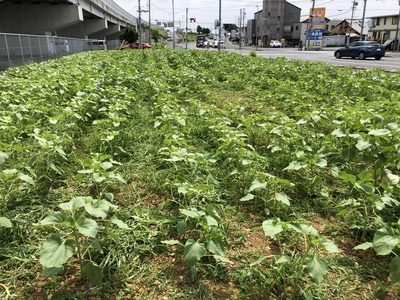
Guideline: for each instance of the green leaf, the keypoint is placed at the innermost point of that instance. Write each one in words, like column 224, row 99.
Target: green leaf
column 349, row 154
column 348, row 177
column 94, row 273
column 384, row 241
column 211, row 221
column 222, row 259
column 394, row 269
column 329, row 245
column 248, row 197
column 193, row 213
column 194, row 251
column 54, row 218
column 317, row 268
column 363, row 246
column 87, row 227
column 338, row 133
column 75, row 203
column 362, row 145
column 54, row 253
column 258, row 261
column 283, row 259
column 283, row 198
column 304, row 229
column 294, row 165
column 96, row 243
column 257, row 185
column 181, row 227
column 171, row 242
column 5, row 222
column 106, row 165
column 48, row 272
column 26, row 178
column 271, row 229
column 379, row 132
column 3, row 156
column 121, row 224
column 98, row 209
column 215, row 246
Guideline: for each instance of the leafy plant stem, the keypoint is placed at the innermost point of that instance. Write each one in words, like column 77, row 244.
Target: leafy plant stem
column 79, row 250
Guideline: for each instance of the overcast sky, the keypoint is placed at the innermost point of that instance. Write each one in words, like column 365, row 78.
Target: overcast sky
column 207, row 11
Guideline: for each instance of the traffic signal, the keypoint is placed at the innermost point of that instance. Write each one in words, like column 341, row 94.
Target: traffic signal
column 192, row 19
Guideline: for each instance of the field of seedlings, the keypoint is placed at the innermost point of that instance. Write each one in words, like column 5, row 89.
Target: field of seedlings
column 172, row 174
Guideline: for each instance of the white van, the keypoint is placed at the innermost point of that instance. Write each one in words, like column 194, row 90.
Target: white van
column 98, row 44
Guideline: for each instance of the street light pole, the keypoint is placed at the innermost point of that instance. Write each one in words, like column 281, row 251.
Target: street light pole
column 362, row 21
column 149, row 25
column 140, row 26
column 396, row 40
column 255, row 24
column 220, row 26
column 355, row 3
column 187, row 11
column 310, row 26
column 173, row 24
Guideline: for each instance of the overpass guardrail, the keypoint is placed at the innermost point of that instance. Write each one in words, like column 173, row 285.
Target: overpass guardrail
column 19, row 49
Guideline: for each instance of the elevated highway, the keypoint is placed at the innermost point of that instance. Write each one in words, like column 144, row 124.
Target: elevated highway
column 94, row 19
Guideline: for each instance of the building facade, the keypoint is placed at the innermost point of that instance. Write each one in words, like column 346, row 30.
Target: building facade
column 276, row 21
column 384, row 28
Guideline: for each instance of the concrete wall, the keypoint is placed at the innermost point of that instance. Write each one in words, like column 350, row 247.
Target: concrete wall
column 98, row 19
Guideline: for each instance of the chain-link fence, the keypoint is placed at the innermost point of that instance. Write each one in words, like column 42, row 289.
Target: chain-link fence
column 19, row 49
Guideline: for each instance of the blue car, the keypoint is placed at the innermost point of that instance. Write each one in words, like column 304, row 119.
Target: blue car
column 361, row 50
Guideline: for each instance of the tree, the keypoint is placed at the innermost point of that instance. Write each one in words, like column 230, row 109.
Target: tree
column 228, row 27
column 206, row 30
column 155, row 34
column 199, row 29
column 129, row 35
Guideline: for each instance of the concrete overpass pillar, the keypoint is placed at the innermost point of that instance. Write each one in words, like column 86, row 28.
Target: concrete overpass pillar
column 38, row 18
column 84, row 29
column 111, row 29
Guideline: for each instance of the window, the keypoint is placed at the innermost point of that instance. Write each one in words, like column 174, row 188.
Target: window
column 384, row 21
column 297, row 27
column 378, row 21
column 395, row 20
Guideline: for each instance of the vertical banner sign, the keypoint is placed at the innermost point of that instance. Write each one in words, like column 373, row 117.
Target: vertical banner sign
column 317, row 27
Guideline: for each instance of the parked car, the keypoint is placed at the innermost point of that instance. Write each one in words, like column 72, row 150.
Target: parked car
column 136, row 46
column 275, row 44
column 361, row 50
column 390, row 45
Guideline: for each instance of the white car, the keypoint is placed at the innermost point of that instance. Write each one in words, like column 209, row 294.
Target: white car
column 275, row 44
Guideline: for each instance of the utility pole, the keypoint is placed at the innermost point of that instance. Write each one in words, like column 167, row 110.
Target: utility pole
column 187, row 11
column 149, row 24
column 309, row 26
column 140, row 26
column 396, row 39
column 173, row 24
column 240, row 29
column 355, row 3
column 255, row 25
column 220, row 26
column 363, row 18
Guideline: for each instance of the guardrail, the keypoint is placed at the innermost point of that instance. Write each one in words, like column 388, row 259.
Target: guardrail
column 19, row 49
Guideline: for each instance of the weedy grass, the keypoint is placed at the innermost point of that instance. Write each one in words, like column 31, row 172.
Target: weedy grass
column 278, row 179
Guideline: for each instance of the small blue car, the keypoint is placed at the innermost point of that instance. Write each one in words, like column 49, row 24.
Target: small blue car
column 361, row 50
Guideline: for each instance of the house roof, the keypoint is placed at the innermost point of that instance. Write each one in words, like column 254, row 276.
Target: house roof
column 382, row 16
column 355, row 25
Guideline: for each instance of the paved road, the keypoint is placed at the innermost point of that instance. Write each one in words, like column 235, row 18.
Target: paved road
column 390, row 62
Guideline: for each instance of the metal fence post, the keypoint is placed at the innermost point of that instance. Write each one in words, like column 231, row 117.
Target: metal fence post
column 8, row 52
